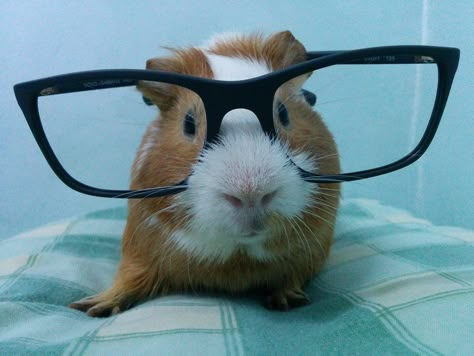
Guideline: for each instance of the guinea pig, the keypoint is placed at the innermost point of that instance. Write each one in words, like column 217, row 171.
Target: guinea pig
column 248, row 222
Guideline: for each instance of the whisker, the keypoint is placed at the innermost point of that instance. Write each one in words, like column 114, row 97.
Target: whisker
column 282, row 228
column 315, row 237
column 328, row 194
column 329, row 155
column 319, row 217
column 328, row 189
column 325, row 208
column 330, row 223
column 329, row 200
column 348, row 98
column 325, row 194
column 284, row 101
column 299, row 234
column 308, row 245
column 322, row 201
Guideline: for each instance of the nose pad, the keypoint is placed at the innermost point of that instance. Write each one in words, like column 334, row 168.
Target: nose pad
column 242, row 120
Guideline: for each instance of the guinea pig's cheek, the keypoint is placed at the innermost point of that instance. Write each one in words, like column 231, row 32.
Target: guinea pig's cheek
column 294, row 198
column 305, row 161
column 295, row 194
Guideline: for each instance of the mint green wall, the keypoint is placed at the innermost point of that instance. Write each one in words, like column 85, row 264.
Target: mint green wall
column 41, row 38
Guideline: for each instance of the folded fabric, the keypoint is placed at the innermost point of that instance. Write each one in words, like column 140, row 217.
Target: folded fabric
column 393, row 284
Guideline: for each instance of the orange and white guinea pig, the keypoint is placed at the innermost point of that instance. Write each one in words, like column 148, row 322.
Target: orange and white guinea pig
column 248, row 222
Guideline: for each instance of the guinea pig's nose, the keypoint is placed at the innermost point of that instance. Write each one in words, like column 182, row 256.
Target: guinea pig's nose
column 250, row 199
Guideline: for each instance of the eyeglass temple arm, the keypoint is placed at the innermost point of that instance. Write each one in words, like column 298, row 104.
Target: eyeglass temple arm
column 378, row 59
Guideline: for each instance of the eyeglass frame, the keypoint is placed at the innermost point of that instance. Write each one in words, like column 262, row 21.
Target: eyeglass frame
column 255, row 94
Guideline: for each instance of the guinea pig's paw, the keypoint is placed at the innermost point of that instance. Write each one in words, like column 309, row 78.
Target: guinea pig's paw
column 285, row 299
column 101, row 305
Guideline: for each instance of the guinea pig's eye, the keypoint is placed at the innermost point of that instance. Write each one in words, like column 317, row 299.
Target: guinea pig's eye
column 283, row 114
column 189, row 124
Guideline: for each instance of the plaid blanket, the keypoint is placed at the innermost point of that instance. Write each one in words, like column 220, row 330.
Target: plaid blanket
column 393, row 284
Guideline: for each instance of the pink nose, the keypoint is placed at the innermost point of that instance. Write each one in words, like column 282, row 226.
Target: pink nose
column 249, row 200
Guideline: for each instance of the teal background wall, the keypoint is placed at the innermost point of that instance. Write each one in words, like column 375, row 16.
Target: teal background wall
column 42, row 38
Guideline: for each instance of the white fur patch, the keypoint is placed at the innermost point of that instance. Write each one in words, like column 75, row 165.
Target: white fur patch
column 233, row 68
column 219, row 247
column 147, row 146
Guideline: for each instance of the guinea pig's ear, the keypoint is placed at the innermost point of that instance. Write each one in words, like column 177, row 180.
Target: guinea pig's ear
column 162, row 95
column 282, row 50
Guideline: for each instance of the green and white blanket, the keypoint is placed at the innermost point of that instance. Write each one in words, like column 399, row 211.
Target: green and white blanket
column 393, row 284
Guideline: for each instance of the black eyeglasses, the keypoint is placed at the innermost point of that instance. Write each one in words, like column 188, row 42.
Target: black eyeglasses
column 383, row 106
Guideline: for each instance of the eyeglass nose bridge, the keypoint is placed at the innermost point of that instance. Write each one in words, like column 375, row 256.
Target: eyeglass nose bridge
column 230, row 96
